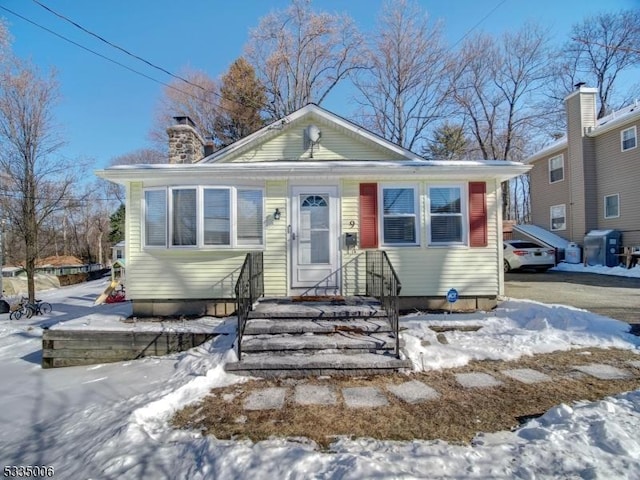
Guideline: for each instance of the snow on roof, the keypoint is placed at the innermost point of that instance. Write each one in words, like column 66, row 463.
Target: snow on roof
column 617, row 117
column 543, row 235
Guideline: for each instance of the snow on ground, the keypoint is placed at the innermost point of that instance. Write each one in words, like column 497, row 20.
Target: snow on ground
column 599, row 269
column 111, row 421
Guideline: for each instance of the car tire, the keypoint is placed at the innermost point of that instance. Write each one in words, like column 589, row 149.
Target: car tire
column 507, row 267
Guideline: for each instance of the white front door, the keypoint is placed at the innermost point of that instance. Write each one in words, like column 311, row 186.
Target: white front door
column 314, row 236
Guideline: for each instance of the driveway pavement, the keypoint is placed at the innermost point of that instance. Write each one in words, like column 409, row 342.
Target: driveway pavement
column 608, row 295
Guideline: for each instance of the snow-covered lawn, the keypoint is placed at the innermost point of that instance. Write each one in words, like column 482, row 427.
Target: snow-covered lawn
column 111, row 421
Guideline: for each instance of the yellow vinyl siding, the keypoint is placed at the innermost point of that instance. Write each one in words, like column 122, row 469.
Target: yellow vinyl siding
column 353, row 271
column 164, row 274
column 334, row 144
column 275, row 255
column 431, row 271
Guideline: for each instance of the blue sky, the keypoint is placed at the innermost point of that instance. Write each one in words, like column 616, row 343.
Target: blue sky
column 106, row 111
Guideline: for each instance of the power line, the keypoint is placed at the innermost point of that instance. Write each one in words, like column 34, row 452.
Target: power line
column 468, row 32
column 91, row 51
column 142, row 59
column 102, row 39
column 52, row 32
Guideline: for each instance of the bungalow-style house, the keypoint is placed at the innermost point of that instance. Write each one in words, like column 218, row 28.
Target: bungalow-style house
column 589, row 179
column 311, row 192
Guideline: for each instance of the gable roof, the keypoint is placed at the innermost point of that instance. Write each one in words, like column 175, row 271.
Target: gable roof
column 304, row 114
column 395, row 161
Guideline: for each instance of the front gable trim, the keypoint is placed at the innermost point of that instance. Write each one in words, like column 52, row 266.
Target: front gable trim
column 314, row 113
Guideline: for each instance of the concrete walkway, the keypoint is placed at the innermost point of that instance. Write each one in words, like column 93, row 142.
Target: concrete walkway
column 412, row 391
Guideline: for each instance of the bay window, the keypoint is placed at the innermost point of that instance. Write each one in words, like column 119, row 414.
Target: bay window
column 204, row 217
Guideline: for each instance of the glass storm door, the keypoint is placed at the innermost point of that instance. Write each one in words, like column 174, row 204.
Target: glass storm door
column 314, row 236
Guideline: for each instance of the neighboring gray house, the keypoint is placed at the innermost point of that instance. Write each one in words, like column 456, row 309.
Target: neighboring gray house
column 589, row 179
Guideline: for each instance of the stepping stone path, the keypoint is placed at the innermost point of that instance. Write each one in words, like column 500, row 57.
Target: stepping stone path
column 364, row 397
column 477, row 380
column 412, row 392
column 604, row 372
column 526, row 375
column 315, row 395
column 266, row 399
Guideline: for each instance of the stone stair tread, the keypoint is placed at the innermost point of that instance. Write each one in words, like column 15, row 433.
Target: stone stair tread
column 317, row 361
column 353, row 307
column 280, row 325
column 342, row 340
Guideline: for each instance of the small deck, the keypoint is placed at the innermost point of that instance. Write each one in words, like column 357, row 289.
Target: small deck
column 67, row 346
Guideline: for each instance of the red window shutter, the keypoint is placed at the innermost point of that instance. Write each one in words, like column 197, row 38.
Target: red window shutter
column 478, row 214
column 368, row 215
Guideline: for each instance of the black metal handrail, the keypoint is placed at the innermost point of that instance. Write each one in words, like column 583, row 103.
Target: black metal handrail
column 332, row 281
column 383, row 283
column 249, row 287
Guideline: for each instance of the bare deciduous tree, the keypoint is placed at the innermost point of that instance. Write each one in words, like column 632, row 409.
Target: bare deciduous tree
column 141, row 156
column 404, row 90
column 39, row 183
column 498, row 86
column 199, row 100
column 601, row 48
column 301, row 55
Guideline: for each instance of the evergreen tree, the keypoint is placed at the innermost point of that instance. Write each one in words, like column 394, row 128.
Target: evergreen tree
column 448, row 143
column 116, row 231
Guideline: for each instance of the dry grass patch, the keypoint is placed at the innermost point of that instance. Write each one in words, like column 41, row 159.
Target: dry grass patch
column 456, row 416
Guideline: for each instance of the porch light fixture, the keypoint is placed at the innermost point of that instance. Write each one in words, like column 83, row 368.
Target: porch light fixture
column 276, row 214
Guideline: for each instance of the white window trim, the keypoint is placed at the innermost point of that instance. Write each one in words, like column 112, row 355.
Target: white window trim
column 464, row 214
column 563, row 205
column 605, row 206
column 561, row 157
column 234, row 245
column 635, row 136
column 232, row 216
column 169, row 226
column 417, row 214
column 143, row 221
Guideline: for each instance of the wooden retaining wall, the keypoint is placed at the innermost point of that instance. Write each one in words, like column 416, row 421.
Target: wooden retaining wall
column 66, row 348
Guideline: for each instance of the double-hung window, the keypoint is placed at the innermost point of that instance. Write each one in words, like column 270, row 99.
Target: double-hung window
column 556, row 169
column 400, row 215
column 446, row 215
column 155, row 221
column 612, row 206
column 628, row 138
column 184, row 217
column 558, row 214
column 203, row 217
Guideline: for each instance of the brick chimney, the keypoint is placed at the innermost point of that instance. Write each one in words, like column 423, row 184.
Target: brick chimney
column 185, row 143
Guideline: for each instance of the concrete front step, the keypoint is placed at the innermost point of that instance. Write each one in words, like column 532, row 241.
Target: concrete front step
column 304, row 365
column 352, row 307
column 336, row 341
column 259, row 326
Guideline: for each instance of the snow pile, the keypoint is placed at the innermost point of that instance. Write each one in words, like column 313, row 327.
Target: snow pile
column 514, row 329
column 598, row 269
